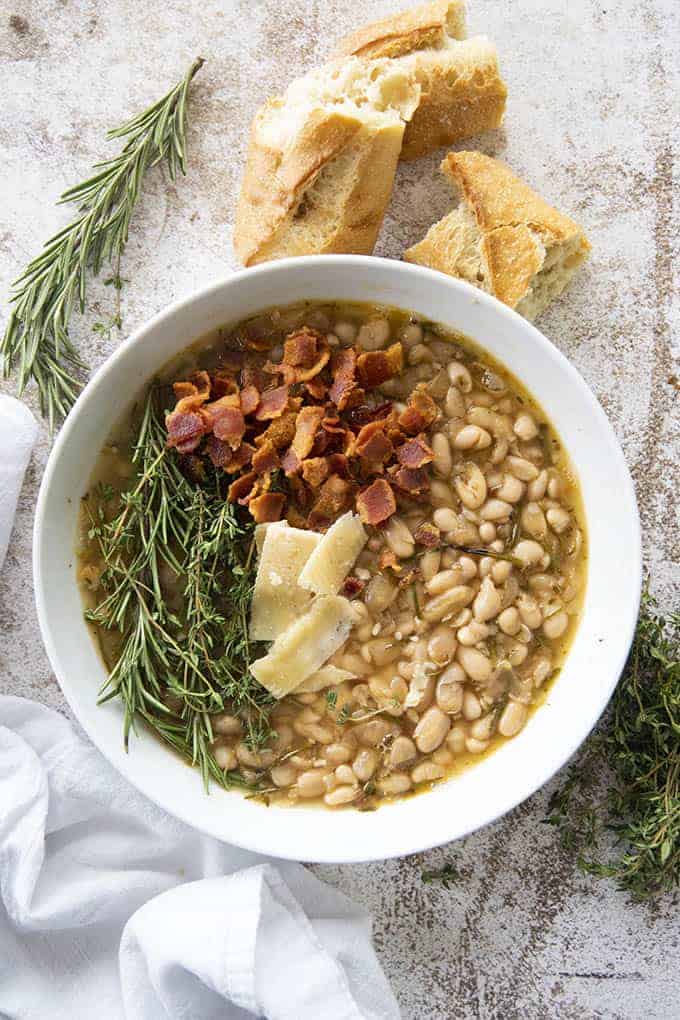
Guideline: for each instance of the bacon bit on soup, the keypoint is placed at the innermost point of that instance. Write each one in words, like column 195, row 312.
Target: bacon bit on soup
column 185, row 430
column 388, row 561
column 267, row 507
column 415, row 453
column 272, row 404
column 376, row 367
column 343, row 370
column 420, row 412
column 428, row 535
column 250, row 399
column 413, row 481
column 226, row 419
column 266, row 459
column 352, row 586
column 280, row 433
column 334, row 498
column 373, row 447
column 315, row 470
column 306, row 424
column 316, row 388
column 241, row 489
column 376, row 503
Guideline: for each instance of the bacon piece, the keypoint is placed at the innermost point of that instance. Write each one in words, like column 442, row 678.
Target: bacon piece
column 266, row 459
column 300, row 494
column 290, row 462
column 376, row 367
column 364, row 413
column 414, row 481
column 242, row 488
column 299, row 346
column 223, row 383
column 225, row 419
column 272, row 404
column 373, row 446
column 343, row 370
column 250, row 399
column 352, row 586
column 415, row 453
column 192, row 393
column 185, row 430
column 300, row 349
column 420, row 412
column 339, row 437
column 306, row 424
column 219, row 452
column 376, row 503
column 193, row 467
column 338, row 464
column 335, row 496
column 252, row 375
column 296, row 518
column 316, row 388
column 315, row 471
column 280, row 432
column 242, row 455
column 427, row 535
column 267, row 507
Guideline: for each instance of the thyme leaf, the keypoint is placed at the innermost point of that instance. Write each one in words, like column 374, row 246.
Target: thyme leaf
column 640, row 750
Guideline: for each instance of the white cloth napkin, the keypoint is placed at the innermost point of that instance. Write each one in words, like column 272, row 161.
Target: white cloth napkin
column 18, row 432
column 110, row 908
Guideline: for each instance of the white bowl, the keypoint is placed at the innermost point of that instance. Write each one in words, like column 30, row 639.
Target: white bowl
column 499, row 782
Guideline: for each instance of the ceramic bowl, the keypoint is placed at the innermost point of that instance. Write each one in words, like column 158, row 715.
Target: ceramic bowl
column 497, row 783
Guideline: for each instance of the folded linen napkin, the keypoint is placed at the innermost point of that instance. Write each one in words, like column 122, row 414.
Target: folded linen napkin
column 111, row 908
column 18, row 432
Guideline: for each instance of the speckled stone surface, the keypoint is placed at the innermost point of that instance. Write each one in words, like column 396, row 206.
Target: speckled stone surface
column 591, row 122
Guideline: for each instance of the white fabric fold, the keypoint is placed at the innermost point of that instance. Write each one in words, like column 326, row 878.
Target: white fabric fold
column 111, row 908
column 18, row 432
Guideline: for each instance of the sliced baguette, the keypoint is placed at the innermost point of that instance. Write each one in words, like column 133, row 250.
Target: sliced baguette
column 502, row 237
column 322, row 160
column 462, row 92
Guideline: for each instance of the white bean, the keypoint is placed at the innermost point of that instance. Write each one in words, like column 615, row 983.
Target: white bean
column 522, row 469
column 427, row 772
column 431, row 730
column 402, row 753
column 395, row 784
column 471, row 437
column 472, row 633
column 448, row 602
column 365, row 764
column 495, row 510
column 558, row 519
column 528, row 552
column 533, row 521
column 399, row 538
column 373, row 335
column 442, row 462
column 511, row 490
column 225, row 758
column 471, row 486
column 341, row 795
column 513, row 718
column 429, row 564
column 509, row 621
column 459, row 376
column 525, row 427
column 487, row 603
column 475, row 664
column 536, row 489
column 454, row 403
column 555, row 625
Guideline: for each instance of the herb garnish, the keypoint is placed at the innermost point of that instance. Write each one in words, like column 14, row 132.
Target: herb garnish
column 36, row 339
column 640, row 749
column 479, row 551
column 448, row 874
column 177, row 665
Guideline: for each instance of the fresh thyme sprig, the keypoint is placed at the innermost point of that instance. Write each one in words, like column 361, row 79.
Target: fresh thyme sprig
column 165, row 540
column 36, row 341
column 640, row 750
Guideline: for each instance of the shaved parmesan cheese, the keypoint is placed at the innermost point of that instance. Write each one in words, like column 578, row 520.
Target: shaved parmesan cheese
column 261, row 531
column 327, row 676
column 277, row 598
column 334, row 557
column 305, row 646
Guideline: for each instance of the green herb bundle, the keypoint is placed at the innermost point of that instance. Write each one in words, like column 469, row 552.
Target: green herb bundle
column 36, row 340
column 639, row 752
column 165, row 538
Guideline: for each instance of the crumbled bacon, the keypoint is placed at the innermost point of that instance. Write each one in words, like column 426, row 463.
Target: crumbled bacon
column 241, row 456
column 376, row 503
column 280, row 432
column 338, row 464
column 267, row 507
column 306, row 424
column 272, row 404
column 335, row 496
column 223, row 382
column 226, row 419
column 343, row 369
column 185, row 430
column 427, row 535
column 352, row 586
column 192, row 393
column 265, row 459
column 376, row 367
column 306, row 353
column 415, row 453
column 388, row 561
column 250, row 399
column 220, row 453
column 420, row 412
column 363, row 413
column 414, row 481
column 315, row 470
column 242, row 488
column 373, row 446
column 316, row 388
column 290, row 462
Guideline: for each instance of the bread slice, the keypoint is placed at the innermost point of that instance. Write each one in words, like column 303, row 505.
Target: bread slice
column 502, row 237
column 462, row 92
column 322, row 160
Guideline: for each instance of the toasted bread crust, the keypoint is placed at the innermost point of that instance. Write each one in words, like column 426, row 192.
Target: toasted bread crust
column 463, row 95
column 423, row 27
column 513, row 228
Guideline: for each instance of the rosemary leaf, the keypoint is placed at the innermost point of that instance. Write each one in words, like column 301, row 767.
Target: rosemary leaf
column 36, row 342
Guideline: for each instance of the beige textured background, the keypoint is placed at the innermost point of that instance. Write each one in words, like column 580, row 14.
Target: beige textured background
column 591, row 122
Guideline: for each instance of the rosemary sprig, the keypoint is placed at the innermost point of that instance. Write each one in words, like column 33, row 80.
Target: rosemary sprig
column 640, row 750
column 36, row 341
column 176, row 666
